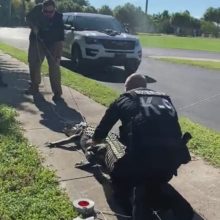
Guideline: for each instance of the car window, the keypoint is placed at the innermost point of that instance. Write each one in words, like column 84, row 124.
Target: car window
column 97, row 23
column 70, row 20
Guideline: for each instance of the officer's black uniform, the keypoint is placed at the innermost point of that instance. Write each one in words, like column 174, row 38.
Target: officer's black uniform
column 126, row 107
column 140, row 164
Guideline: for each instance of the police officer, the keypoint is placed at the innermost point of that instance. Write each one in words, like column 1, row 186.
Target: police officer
column 46, row 39
column 150, row 130
column 155, row 106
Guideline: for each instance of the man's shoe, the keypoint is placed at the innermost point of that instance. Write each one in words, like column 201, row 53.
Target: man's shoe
column 57, row 98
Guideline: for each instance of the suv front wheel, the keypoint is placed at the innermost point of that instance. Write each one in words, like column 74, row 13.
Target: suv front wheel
column 131, row 67
column 77, row 59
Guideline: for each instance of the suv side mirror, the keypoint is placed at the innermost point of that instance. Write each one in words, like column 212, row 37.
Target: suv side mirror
column 126, row 27
column 67, row 27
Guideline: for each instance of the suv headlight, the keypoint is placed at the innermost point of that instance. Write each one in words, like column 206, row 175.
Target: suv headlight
column 91, row 40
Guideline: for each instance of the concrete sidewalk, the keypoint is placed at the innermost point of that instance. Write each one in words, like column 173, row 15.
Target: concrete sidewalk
column 43, row 121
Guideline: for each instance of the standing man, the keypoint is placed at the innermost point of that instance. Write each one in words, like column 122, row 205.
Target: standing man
column 46, row 39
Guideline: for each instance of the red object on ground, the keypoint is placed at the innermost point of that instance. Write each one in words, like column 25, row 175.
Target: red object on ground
column 83, row 203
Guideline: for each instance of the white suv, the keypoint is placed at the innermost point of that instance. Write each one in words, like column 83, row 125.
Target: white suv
column 99, row 39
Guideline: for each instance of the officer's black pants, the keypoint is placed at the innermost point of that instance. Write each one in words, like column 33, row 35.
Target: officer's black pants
column 141, row 201
column 141, row 191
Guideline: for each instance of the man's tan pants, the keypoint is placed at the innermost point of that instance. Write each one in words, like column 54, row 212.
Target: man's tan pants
column 36, row 53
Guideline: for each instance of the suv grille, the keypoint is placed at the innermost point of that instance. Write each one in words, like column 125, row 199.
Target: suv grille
column 118, row 44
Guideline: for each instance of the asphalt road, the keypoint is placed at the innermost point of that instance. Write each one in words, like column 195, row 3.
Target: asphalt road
column 194, row 91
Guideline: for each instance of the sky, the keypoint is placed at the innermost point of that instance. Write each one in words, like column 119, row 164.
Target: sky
column 196, row 7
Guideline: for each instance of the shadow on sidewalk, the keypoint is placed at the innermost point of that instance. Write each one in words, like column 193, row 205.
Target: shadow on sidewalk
column 56, row 116
column 17, row 81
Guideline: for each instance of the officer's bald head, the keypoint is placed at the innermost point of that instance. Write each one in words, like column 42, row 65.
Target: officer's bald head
column 135, row 81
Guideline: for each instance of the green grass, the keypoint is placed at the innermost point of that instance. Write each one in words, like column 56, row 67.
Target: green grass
column 105, row 95
column 91, row 88
column 174, row 42
column 205, row 142
column 214, row 65
column 27, row 189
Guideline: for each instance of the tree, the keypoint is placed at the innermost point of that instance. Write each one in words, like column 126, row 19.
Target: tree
column 181, row 22
column 212, row 14
column 208, row 27
column 106, row 10
column 129, row 15
column 13, row 12
column 73, row 5
column 181, row 19
column 144, row 21
column 162, row 22
column 80, row 3
column 38, row 1
column 196, row 26
column 29, row 6
column 165, row 15
column 18, row 12
column 5, row 12
column 90, row 9
column 67, row 6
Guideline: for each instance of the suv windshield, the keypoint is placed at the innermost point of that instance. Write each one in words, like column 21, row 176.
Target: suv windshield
column 97, row 23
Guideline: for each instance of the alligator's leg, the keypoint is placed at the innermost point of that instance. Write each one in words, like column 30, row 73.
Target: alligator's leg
column 64, row 141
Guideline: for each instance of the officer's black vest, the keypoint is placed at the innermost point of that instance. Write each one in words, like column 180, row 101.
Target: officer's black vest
column 156, row 116
column 154, row 134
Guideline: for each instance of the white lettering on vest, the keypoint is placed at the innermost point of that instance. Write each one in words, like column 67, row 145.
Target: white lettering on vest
column 147, row 105
column 168, row 105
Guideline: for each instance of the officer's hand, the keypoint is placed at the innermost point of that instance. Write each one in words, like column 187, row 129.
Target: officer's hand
column 90, row 142
column 93, row 142
column 35, row 30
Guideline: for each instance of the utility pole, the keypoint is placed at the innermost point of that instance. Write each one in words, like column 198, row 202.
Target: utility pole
column 146, row 6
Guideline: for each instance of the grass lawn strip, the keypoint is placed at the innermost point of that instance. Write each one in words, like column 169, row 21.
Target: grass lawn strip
column 205, row 142
column 105, row 95
column 213, row 65
column 27, row 189
column 185, row 43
